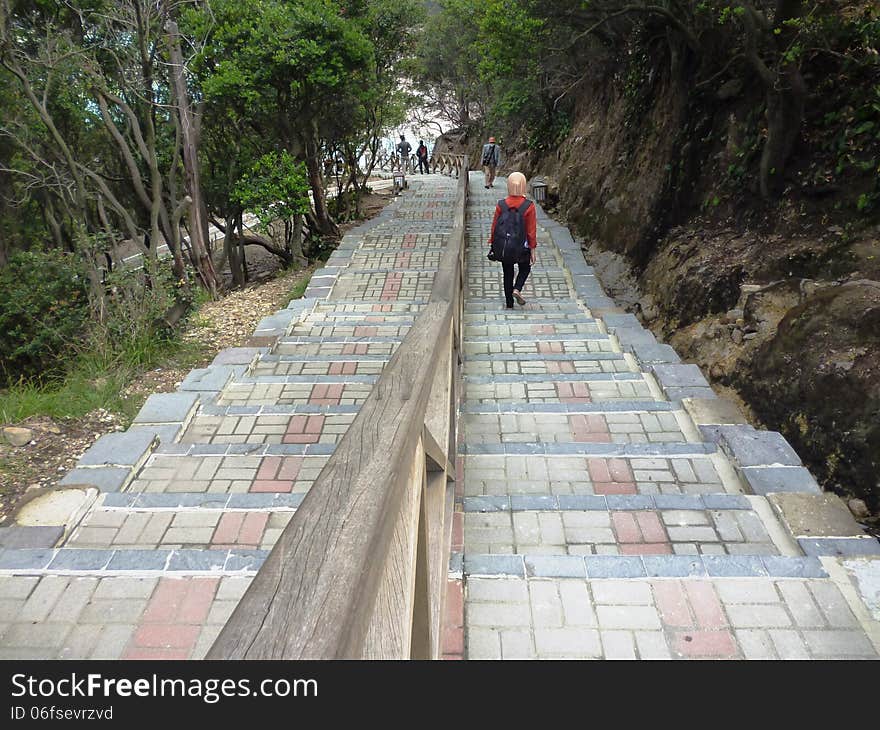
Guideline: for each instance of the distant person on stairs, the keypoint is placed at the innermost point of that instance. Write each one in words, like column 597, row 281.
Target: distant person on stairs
column 516, row 221
column 422, row 155
column 491, row 159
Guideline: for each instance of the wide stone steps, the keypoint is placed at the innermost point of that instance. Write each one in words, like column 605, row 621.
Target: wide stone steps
column 600, row 517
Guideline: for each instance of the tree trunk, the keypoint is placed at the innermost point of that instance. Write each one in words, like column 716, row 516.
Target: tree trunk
column 232, row 255
column 326, row 225
column 198, row 223
column 785, row 112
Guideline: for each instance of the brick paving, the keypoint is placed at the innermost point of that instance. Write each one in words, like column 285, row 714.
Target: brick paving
column 598, row 520
column 594, row 517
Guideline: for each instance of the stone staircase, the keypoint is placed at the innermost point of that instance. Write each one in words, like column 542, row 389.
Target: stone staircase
column 165, row 525
column 614, row 508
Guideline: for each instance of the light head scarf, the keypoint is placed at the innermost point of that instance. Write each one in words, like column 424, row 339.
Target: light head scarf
column 516, row 184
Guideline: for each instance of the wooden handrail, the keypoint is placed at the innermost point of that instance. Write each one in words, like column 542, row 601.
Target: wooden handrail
column 360, row 570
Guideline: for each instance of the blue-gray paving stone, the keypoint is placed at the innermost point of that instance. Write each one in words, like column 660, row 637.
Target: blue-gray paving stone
column 197, row 560
column 264, row 501
column 654, row 353
column 166, row 433
column 582, row 502
column 319, row 449
column 245, row 560
column 540, row 356
column 167, row 408
column 25, row 558
column 126, row 448
column 675, row 393
column 455, row 562
column 764, row 480
column 137, row 560
column 486, row 504
column 494, row 565
column 613, row 321
column 319, row 292
column 561, row 377
column 580, row 337
column 720, row 566
column 598, row 302
column 784, row 566
column 238, row 355
column 629, row 501
column 726, row 501
column 30, row 537
column 106, row 479
column 678, row 501
column 679, row 376
column 630, row 336
column 119, row 499
column 199, row 449
column 214, row 377
column 245, row 449
column 522, row 502
column 673, row 566
column 279, row 320
column 555, row 566
column 751, row 447
column 75, row 559
column 614, row 566
column 839, row 546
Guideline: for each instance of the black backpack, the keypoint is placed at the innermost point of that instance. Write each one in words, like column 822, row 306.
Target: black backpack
column 489, row 156
column 509, row 242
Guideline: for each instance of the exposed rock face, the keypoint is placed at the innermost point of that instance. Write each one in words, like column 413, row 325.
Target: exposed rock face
column 818, row 382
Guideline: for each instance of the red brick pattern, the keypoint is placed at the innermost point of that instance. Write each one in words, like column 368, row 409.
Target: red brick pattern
column 694, row 619
column 611, row 476
column 548, row 348
column 304, row 430
column 343, row 368
column 391, row 289
column 409, row 240
column 561, row 366
column 640, row 533
column 572, row 392
column 327, row 394
column 589, row 427
column 354, row 349
column 453, row 623
column 365, row 331
column 402, row 260
column 277, row 474
column 173, row 619
column 240, row 530
column 543, row 329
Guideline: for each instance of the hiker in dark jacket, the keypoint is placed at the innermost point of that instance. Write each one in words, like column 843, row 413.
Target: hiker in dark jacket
column 516, row 198
column 422, row 155
column 491, row 158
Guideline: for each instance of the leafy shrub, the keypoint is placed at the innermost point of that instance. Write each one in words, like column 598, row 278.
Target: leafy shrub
column 44, row 310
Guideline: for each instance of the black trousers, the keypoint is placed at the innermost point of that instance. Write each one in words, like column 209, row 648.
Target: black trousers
column 525, row 267
column 423, row 165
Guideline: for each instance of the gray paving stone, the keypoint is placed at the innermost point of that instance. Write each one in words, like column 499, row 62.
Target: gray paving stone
column 680, row 501
column 614, row 566
column 167, row 408
column 629, row 501
column 567, row 642
column 765, row 480
column 238, row 355
column 213, row 378
column 124, row 560
column 839, row 644
column 751, row 447
column 197, row 560
column 679, row 376
column 119, row 449
column 30, row 536
column 838, row 547
column 582, row 502
column 673, row 566
column 733, row 565
column 245, row 560
column 25, row 559
column 78, row 559
column 555, row 566
column 494, row 565
column 651, row 353
column 521, row 502
column 106, row 479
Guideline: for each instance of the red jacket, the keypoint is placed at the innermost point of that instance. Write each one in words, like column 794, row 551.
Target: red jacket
column 530, row 219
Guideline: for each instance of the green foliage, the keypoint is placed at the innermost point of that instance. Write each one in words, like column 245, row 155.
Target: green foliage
column 275, row 188
column 43, row 311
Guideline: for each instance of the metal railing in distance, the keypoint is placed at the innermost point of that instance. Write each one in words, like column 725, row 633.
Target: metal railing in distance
column 360, row 571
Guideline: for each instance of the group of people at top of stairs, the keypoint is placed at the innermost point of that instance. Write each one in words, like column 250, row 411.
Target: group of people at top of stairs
column 513, row 238
column 404, row 149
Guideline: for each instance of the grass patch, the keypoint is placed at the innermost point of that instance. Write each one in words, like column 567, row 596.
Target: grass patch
column 300, row 287
column 97, row 379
